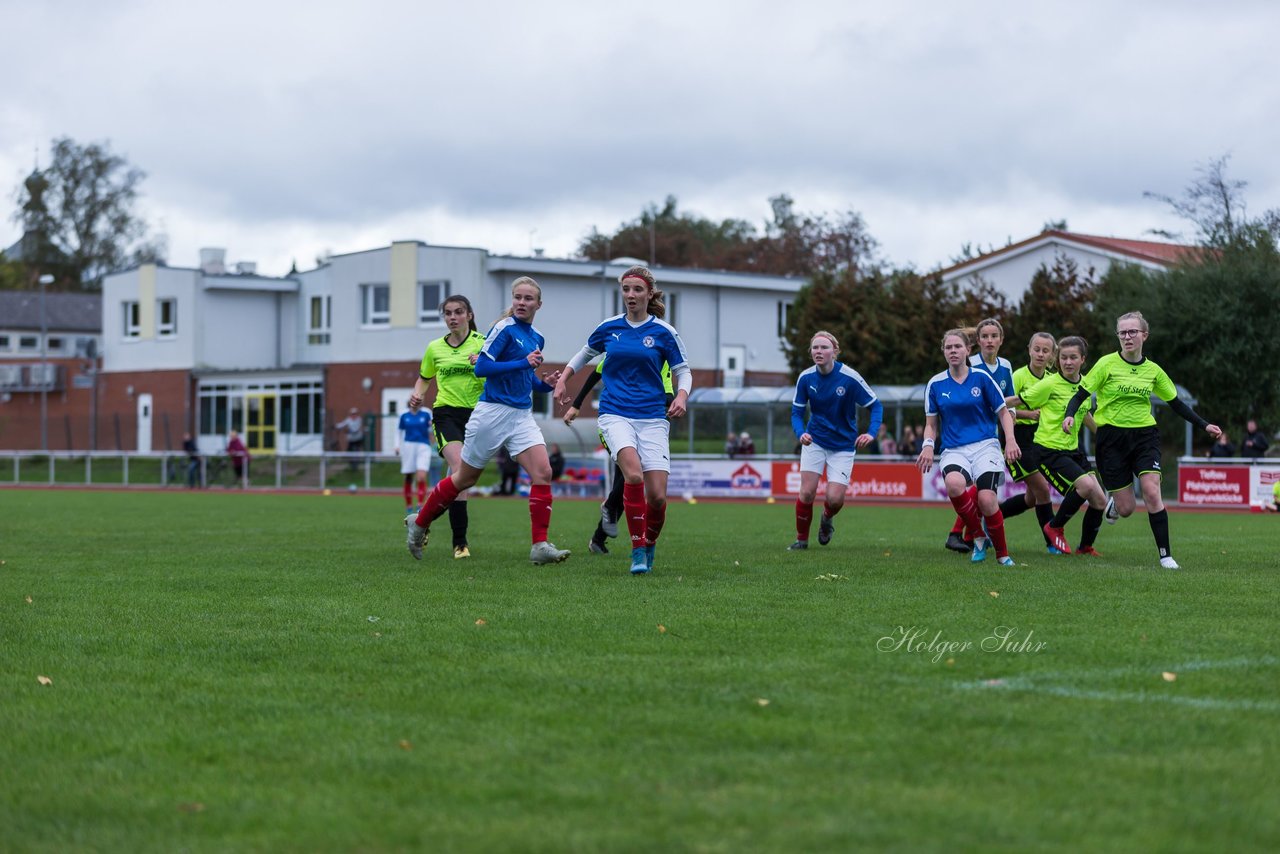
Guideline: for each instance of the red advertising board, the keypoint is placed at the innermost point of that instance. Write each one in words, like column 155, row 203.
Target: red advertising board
column 873, row 481
column 1218, row 486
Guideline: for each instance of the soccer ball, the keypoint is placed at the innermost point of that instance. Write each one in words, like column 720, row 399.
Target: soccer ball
column 351, row 488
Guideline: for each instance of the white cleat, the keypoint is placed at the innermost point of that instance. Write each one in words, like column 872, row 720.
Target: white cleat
column 1169, row 563
column 546, row 552
column 607, row 523
column 1111, row 514
column 416, row 539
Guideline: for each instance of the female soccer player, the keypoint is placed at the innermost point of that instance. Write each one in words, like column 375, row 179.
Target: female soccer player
column 833, row 392
column 450, row 360
column 503, row 416
column 990, row 335
column 1060, row 457
column 413, row 444
column 969, row 405
column 1040, row 351
column 633, row 407
column 1128, row 440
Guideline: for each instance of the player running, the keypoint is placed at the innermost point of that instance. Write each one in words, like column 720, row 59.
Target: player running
column 503, row 416
column 450, row 360
column 413, row 444
column 969, row 405
column 1040, row 352
column 633, row 406
column 1128, row 440
column 832, row 391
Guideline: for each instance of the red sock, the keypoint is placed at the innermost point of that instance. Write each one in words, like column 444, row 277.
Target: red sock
column 540, row 510
column 957, row 527
column 804, row 520
column 995, row 530
column 831, row 509
column 633, row 506
column 437, row 502
column 408, row 493
column 655, row 518
column 422, row 492
column 969, row 531
column 967, row 507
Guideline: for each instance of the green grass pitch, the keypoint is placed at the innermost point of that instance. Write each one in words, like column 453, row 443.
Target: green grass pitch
column 274, row 672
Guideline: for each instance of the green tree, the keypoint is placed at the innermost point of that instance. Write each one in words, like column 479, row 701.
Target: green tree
column 1060, row 300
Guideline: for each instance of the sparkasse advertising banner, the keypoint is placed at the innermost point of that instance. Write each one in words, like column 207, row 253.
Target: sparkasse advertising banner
column 870, row 480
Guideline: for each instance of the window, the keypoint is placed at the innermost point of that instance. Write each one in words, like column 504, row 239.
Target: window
column 28, row 343
column 6, row 344
column 167, row 318
column 430, row 295
column 375, row 305
column 670, row 301
column 132, row 320
column 54, row 344
column 319, row 319
column 784, row 318
column 86, row 348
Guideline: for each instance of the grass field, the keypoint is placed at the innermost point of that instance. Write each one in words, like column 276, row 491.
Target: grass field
column 274, row 672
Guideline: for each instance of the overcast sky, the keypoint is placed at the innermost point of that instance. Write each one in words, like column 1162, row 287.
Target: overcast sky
column 281, row 130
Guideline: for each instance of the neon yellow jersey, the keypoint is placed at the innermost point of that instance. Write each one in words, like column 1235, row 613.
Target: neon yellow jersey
column 1051, row 396
column 666, row 375
column 1124, row 390
column 1024, row 379
column 456, row 380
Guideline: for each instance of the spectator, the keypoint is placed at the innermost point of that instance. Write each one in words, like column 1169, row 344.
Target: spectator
column 908, row 443
column 731, row 445
column 1222, row 447
column 353, row 424
column 509, row 470
column 193, row 460
column 239, row 455
column 1255, row 441
column 746, row 447
column 918, row 445
column 556, row 459
column 888, row 447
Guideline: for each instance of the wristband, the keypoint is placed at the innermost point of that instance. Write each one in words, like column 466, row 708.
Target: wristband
column 927, row 443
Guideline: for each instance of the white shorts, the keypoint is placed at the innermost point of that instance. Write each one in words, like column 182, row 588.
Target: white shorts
column 493, row 425
column 838, row 464
column 976, row 458
column 651, row 437
column 415, row 456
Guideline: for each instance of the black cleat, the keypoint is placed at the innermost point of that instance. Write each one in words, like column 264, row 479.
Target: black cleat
column 825, row 529
column 957, row 544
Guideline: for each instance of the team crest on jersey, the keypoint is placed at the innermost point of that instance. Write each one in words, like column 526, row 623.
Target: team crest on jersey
column 976, row 392
column 648, row 341
column 840, row 391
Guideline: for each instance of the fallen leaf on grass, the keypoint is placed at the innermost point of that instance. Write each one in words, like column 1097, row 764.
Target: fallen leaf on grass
column 993, row 683
column 482, row 622
column 951, row 662
column 372, row 618
column 761, row 701
column 830, row 576
column 993, row 594
column 376, row 634
column 406, row 744
column 44, row 680
column 1169, row 677
column 662, row 630
column 193, row 807
column 888, row 552
column 28, row 600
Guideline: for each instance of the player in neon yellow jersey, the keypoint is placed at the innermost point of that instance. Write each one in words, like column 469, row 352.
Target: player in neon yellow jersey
column 1026, row 419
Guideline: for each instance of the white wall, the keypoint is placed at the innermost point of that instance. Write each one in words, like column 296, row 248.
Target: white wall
column 145, row 354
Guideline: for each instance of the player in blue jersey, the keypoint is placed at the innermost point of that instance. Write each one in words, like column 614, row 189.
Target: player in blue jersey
column 503, row 416
column 413, row 444
column 966, row 404
column 633, row 406
column 832, row 392
column 990, row 336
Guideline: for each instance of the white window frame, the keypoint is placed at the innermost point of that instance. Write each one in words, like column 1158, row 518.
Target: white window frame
column 669, row 299
column 132, row 314
column 6, row 343
column 28, row 343
column 370, row 315
column 55, row 344
column 167, row 328
column 428, row 310
column 319, row 334
column 784, row 317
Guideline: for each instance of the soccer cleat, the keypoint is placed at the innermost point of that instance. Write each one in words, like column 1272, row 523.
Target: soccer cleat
column 546, row 552
column 607, row 523
column 798, row 546
column 1057, row 538
column 597, row 548
column 648, row 555
column 416, row 538
column 1111, row 514
column 1169, row 563
column 1088, row 551
column 460, row 552
column 979, row 550
column 957, row 544
column 1005, row 561
column 1051, row 550
column 825, row 529
column 639, row 560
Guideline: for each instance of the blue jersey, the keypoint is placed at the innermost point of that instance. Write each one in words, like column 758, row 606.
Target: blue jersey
column 968, row 410
column 416, row 426
column 1002, row 373
column 503, row 362
column 632, row 371
column 833, row 399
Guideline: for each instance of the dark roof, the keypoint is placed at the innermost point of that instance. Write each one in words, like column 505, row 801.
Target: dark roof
column 63, row 312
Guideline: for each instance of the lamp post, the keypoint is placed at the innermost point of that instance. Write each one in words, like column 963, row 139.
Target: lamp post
column 45, row 281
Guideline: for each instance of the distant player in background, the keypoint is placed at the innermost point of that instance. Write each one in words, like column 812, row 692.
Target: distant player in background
column 450, row 361
column 503, row 417
column 967, row 404
column 829, row 441
column 633, row 406
column 1128, row 439
column 1026, row 470
column 413, row 444
column 990, row 335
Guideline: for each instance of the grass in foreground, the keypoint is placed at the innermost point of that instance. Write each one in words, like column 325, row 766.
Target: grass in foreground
column 236, row 671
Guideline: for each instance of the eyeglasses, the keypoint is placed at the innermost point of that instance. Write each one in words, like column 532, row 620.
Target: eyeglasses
column 1128, row 333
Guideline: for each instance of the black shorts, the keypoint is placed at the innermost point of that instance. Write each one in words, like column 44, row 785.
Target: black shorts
column 1028, row 464
column 1063, row 468
column 1126, row 452
column 450, row 424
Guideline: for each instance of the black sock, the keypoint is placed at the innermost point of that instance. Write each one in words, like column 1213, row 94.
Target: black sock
column 1044, row 515
column 1071, row 503
column 1160, row 529
column 599, row 536
column 458, row 522
column 614, row 502
column 1092, row 522
column 1014, row 506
